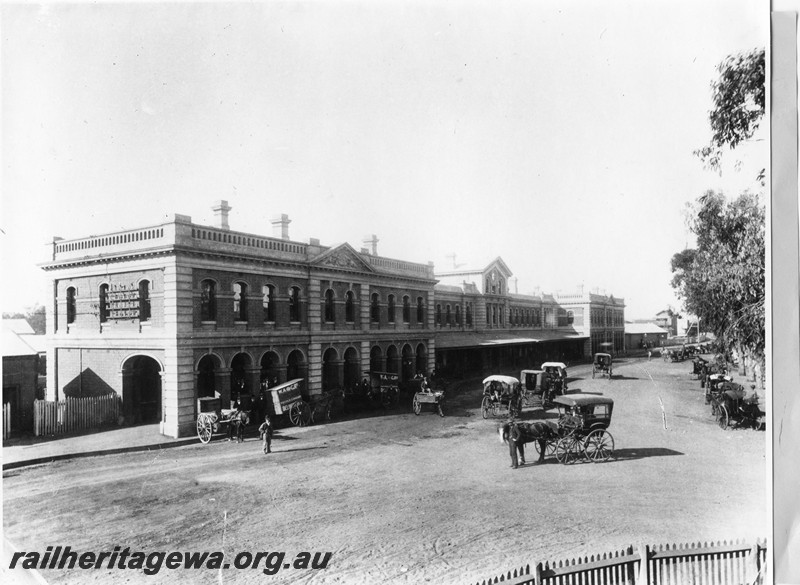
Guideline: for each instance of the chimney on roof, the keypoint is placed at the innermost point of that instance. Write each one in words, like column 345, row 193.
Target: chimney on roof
column 221, row 209
column 280, row 226
column 371, row 244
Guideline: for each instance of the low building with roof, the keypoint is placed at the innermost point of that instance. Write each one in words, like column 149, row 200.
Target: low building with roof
column 21, row 364
column 642, row 335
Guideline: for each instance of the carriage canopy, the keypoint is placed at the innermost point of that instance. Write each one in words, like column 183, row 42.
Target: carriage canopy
column 602, row 359
column 594, row 408
column 509, row 381
column 559, row 365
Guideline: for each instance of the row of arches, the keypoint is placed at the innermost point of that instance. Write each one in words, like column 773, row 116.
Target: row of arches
column 243, row 375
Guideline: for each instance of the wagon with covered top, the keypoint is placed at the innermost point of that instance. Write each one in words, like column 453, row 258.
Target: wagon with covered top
column 603, row 364
column 501, row 395
column 539, row 387
column 583, row 422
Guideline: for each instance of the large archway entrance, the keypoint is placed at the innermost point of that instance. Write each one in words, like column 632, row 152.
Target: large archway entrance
column 376, row 361
column 239, row 380
column 407, row 371
column 206, row 376
column 270, row 370
column 141, row 390
column 330, row 370
column 422, row 360
column 392, row 360
column 296, row 367
column 352, row 368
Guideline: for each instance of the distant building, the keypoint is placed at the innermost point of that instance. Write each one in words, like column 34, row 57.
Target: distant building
column 641, row 335
column 166, row 314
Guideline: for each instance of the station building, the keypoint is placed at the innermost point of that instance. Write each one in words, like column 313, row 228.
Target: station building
column 166, row 314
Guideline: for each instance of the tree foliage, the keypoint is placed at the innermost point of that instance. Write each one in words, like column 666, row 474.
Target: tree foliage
column 739, row 96
column 722, row 281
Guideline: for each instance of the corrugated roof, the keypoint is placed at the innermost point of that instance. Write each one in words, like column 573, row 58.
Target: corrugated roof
column 639, row 328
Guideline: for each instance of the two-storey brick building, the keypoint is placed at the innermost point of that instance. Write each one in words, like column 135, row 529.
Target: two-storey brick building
column 169, row 313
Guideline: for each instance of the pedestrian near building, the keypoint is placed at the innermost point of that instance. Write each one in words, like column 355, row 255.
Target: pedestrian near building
column 265, row 432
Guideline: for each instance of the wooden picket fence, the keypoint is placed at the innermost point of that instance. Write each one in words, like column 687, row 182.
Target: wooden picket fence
column 75, row 414
column 735, row 563
column 6, row 420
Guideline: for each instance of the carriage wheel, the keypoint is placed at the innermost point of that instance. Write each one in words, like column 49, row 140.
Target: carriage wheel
column 417, row 406
column 567, row 450
column 598, row 446
column 723, row 420
column 485, row 406
column 549, row 449
column 204, row 429
column 299, row 414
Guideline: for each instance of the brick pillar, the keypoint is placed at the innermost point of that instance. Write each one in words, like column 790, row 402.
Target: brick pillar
column 313, row 300
column 314, row 377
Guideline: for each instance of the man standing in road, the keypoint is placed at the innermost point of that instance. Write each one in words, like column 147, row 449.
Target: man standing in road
column 265, row 432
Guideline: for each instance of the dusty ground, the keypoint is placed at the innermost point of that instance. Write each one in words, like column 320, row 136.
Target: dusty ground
column 401, row 498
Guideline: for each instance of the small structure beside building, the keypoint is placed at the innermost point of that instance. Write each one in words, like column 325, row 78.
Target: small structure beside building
column 21, row 369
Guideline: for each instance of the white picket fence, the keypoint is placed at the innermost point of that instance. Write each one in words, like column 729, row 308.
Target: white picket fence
column 734, row 563
column 75, row 414
column 6, row 420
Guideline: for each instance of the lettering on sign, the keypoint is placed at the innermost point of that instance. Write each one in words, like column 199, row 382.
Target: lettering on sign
column 123, row 301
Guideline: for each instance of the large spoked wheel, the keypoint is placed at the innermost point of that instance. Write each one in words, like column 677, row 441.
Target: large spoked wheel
column 549, row 449
column 598, row 446
column 417, row 406
column 299, row 414
column 204, row 429
column 723, row 420
column 567, row 450
column 486, row 405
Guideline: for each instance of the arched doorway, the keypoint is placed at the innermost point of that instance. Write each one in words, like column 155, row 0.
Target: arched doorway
column 422, row 360
column 392, row 360
column 206, row 374
column 141, row 390
column 352, row 368
column 239, row 383
column 407, row 371
column 269, row 369
column 376, row 359
column 330, row 370
column 296, row 367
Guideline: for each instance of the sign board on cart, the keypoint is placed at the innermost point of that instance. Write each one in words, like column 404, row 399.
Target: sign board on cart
column 284, row 395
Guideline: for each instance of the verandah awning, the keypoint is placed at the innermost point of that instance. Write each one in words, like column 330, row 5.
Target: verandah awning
column 463, row 340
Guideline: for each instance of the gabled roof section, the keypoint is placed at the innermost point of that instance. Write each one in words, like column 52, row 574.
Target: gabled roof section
column 342, row 257
column 500, row 265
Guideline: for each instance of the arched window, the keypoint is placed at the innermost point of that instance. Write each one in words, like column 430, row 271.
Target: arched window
column 268, row 302
column 420, row 310
column 144, row 300
column 375, row 308
column 447, row 315
column 438, row 314
column 390, row 309
column 71, row 293
column 103, row 306
column 330, row 313
column 406, row 309
column 458, row 315
column 208, row 300
column 469, row 314
column 294, row 304
column 240, row 301
column 349, row 307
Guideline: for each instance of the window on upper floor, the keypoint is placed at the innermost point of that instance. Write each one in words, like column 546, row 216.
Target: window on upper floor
column 208, row 300
column 103, row 303
column 570, row 317
column 447, row 315
column 469, row 314
column 406, row 309
column 349, row 306
column 330, row 313
column 240, row 301
column 71, row 312
column 268, row 302
column 420, row 310
column 375, row 308
column 390, row 309
column 294, row 304
column 144, row 300
column 458, row 314
column 438, row 314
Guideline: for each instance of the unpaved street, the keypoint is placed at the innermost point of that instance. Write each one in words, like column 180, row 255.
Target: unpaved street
column 400, row 498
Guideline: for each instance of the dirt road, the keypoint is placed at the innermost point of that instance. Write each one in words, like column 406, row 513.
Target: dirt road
column 399, row 498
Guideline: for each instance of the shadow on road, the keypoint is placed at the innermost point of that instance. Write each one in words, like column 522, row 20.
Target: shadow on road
column 643, row 453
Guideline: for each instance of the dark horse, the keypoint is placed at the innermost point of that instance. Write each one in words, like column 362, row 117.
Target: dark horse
column 236, row 424
column 516, row 434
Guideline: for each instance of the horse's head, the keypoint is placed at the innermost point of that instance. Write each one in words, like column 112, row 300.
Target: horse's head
column 503, row 431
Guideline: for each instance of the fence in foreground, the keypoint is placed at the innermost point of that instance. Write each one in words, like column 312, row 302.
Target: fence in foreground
column 735, row 563
column 75, row 414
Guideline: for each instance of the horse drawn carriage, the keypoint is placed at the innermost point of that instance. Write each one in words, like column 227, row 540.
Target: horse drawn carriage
column 501, row 395
column 426, row 395
column 733, row 408
column 581, row 430
column 539, row 387
column 212, row 418
column 602, row 364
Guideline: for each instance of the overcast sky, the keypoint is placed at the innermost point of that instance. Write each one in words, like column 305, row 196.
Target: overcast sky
column 558, row 136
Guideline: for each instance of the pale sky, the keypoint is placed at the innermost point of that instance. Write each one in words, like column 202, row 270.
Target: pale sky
column 558, row 136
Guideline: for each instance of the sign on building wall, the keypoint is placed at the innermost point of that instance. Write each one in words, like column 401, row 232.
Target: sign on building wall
column 123, row 301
